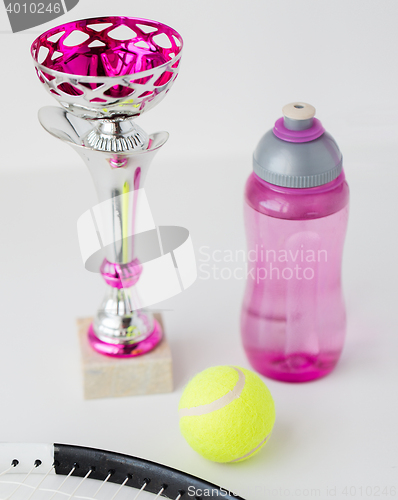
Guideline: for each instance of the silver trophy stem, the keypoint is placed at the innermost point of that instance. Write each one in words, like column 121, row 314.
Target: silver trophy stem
column 117, row 178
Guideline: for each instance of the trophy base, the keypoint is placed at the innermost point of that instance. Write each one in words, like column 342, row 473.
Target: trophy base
column 110, row 376
column 126, row 350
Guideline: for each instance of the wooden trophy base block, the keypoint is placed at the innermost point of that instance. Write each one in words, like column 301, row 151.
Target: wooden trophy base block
column 109, row 377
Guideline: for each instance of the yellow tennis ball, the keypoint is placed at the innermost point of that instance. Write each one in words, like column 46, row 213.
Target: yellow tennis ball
column 226, row 413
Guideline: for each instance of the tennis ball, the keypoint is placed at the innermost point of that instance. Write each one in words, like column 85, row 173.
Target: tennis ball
column 226, row 413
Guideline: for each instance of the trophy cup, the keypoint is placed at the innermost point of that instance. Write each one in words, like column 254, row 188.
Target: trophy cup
column 105, row 72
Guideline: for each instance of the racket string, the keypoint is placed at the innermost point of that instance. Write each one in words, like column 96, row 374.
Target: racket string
column 12, row 466
column 141, row 490
column 120, row 487
column 35, row 465
column 81, row 482
column 102, row 484
column 160, row 492
column 37, row 487
column 63, row 482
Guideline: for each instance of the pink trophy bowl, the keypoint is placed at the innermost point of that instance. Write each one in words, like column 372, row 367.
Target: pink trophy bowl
column 108, row 67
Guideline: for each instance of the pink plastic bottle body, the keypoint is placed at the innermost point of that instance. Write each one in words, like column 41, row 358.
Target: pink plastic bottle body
column 293, row 318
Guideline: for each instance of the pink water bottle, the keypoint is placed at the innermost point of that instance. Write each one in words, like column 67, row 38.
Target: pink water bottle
column 296, row 210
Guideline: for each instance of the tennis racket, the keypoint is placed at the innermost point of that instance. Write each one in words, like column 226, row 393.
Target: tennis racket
column 65, row 472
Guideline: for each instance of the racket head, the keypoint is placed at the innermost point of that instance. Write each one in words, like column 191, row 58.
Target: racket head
column 66, row 472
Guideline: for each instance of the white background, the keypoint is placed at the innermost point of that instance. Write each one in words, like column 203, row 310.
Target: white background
column 242, row 62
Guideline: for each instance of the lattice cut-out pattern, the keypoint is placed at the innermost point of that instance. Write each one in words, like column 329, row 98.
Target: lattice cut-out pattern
column 104, row 77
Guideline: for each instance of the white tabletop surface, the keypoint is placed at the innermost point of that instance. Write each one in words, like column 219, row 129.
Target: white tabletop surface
column 336, row 437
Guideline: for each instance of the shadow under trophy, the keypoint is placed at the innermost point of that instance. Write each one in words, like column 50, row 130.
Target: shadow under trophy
column 105, row 72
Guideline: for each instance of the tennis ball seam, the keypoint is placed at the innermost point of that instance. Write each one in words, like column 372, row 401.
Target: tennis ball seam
column 253, row 450
column 234, row 393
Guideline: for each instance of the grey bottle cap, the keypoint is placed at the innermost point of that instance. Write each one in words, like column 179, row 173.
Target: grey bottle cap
column 297, row 164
